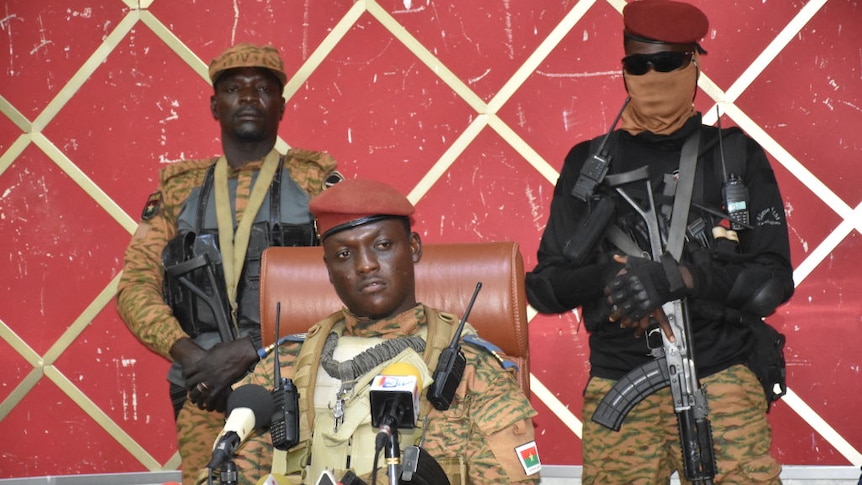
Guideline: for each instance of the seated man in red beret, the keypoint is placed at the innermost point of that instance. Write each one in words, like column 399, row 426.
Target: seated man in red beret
column 370, row 252
column 723, row 254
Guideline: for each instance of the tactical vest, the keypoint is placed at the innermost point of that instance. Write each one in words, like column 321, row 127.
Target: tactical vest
column 194, row 285
column 299, row 460
column 707, row 203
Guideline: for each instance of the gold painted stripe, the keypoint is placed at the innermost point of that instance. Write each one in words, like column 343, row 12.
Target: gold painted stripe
column 560, row 410
column 174, row 462
column 787, row 34
column 14, row 115
column 19, row 345
column 21, row 390
column 822, row 427
column 15, row 149
column 524, row 149
column 87, row 69
column 427, row 58
column 448, row 158
column 99, row 416
column 708, row 86
column 319, row 55
column 176, row 45
column 84, row 181
column 538, row 56
column 82, row 322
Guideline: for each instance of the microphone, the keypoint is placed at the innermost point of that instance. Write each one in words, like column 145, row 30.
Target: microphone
column 394, row 405
column 350, row 478
column 450, row 365
column 285, row 419
column 395, row 396
column 248, row 407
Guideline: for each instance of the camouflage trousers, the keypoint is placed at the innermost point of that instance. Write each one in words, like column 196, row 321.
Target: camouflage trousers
column 196, row 432
column 647, row 449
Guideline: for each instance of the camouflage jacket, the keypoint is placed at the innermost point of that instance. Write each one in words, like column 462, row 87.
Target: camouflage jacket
column 489, row 417
column 139, row 295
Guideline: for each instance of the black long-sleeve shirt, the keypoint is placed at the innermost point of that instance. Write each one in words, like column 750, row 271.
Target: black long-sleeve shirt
column 720, row 307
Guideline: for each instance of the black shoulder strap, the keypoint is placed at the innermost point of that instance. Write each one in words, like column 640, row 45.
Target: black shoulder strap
column 682, row 198
column 206, row 188
column 275, row 194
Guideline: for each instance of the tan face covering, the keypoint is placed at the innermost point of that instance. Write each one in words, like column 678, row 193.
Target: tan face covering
column 661, row 101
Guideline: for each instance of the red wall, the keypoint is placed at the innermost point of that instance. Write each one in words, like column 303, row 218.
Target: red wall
column 467, row 106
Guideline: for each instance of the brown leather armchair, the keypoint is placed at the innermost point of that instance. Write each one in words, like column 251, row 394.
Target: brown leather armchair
column 446, row 277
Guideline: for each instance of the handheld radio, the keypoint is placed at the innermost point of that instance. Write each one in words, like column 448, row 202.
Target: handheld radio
column 734, row 193
column 451, row 365
column 285, row 419
column 595, row 169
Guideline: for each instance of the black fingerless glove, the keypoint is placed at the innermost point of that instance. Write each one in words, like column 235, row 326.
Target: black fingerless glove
column 645, row 286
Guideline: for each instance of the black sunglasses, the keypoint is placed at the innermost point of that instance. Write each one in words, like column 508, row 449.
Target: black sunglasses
column 638, row 64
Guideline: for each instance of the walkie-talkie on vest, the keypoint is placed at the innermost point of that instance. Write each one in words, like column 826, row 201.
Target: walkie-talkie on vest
column 285, row 419
column 451, row 365
column 734, row 194
column 596, row 167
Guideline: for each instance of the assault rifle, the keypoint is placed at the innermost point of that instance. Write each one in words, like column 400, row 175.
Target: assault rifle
column 674, row 366
column 202, row 261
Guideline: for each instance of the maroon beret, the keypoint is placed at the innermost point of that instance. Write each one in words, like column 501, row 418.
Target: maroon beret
column 665, row 21
column 352, row 203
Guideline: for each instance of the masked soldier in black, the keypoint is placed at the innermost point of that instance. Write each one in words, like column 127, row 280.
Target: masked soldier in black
column 733, row 268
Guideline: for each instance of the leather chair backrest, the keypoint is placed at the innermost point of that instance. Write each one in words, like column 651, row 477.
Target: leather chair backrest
column 446, row 277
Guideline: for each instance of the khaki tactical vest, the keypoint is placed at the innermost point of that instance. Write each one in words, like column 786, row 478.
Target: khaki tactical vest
column 325, row 448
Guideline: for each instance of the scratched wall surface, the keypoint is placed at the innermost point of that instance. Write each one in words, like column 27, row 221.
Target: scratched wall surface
column 467, row 106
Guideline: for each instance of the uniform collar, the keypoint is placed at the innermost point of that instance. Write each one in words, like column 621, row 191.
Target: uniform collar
column 406, row 323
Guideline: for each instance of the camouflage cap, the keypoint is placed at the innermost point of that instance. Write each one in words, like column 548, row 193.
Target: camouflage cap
column 248, row 55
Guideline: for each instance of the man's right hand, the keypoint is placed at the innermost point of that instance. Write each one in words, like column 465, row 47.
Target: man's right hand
column 210, row 373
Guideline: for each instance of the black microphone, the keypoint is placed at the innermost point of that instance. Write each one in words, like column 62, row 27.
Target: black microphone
column 394, row 404
column 450, row 365
column 285, row 418
column 248, row 407
column 350, row 478
column 395, row 396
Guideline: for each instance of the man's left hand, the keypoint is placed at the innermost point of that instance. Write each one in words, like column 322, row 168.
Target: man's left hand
column 637, row 292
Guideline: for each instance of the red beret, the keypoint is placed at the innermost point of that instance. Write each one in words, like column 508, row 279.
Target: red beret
column 353, row 203
column 665, row 21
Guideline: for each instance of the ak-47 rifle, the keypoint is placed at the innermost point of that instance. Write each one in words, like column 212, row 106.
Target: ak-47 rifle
column 674, row 366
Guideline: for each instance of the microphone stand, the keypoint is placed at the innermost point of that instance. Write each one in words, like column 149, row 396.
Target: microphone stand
column 229, row 473
column 393, row 457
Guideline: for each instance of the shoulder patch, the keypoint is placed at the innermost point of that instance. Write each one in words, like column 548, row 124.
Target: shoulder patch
column 151, row 208
column 528, row 455
column 482, row 344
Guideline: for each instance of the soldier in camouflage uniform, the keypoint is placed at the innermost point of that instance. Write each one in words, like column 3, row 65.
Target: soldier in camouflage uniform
column 729, row 277
column 486, row 436
column 256, row 191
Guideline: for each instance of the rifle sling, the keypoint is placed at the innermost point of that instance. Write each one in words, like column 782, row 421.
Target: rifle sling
column 682, row 199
